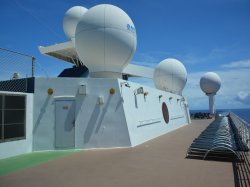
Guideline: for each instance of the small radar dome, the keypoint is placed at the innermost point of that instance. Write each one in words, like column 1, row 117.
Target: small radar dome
column 210, row 82
column 71, row 19
column 170, row 75
column 105, row 40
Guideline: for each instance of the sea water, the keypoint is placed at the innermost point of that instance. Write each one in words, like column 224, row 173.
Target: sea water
column 242, row 113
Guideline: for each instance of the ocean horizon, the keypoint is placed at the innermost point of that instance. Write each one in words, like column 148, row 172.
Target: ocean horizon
column 243, row 113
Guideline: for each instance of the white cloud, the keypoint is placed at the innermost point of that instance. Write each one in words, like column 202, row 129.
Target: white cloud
column 234, row 91
column 145, row 63
column 243, row 97
column 233, row 81
column 238, row 64
column 193, row 58
column 144, row 81
column 147, row 60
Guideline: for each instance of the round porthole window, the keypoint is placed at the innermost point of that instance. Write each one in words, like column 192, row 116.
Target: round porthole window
column 165, row 112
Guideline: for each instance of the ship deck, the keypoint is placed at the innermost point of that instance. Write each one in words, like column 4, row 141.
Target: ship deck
column 159, row 162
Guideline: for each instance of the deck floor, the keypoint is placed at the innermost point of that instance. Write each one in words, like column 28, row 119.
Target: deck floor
column 159, row 162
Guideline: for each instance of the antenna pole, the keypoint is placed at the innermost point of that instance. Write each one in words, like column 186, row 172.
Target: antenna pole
column 33, row 67
column 211, row 103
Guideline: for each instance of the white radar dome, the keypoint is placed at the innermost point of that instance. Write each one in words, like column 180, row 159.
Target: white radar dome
column 105, row 40
column 71, row 19
column 210, row 82
column 170, row 75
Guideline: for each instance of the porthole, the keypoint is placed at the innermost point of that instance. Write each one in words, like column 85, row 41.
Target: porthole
column 165, row 112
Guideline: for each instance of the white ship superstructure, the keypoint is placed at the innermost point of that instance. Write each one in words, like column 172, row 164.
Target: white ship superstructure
column 100, row 108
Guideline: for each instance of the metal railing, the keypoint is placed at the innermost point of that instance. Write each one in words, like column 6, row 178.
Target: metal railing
column 243, row 128
column 15, row 68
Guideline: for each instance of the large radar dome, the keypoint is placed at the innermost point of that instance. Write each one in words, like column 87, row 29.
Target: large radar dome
column 170, row 75
column 105, row 40
column 71, row 19
column 210, row 82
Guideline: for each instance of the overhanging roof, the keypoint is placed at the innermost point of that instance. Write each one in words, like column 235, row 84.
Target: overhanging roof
column 66, row 52
column 138, row 71
column 63, row 51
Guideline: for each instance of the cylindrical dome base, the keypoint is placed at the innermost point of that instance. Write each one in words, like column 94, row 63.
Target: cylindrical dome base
column 211, row 103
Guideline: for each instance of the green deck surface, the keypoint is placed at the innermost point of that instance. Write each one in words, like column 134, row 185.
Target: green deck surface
column 24, row 161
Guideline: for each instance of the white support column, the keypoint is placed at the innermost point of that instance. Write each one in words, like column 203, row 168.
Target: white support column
column 211, row 103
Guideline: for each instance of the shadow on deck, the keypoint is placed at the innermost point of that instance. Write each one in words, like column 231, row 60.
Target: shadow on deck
column 242, row 171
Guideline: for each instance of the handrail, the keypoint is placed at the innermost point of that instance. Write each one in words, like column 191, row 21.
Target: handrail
column 243, row 128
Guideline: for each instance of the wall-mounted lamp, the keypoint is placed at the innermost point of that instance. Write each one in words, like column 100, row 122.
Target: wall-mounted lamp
column 182, row 100
column 100, row 100
column 50, row 91
column 125, row 84
column 160, row 96
column 112, row 91
column 82, row 90
column 139, row 91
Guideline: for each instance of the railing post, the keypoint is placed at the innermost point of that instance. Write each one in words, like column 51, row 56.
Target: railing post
column 242, row 127
column 33, row 66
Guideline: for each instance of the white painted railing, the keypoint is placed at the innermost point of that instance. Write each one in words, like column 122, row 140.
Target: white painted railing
column 243, row 128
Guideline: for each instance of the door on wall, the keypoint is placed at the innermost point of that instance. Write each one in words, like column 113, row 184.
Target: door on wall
column 65, row 124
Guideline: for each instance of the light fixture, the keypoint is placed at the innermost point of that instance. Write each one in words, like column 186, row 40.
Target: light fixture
column 82, row 90
column 112, row 91
column 145, row 94
column 100, row 100
column 160, row 96
column 139, row 91
column 125, row 84
column 50, row 91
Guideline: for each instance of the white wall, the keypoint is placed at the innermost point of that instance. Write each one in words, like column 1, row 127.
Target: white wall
column 96, row 126
column 17, row 147
column 44, row 108
column 101, row 125
column 123, row 120
column 144, row 114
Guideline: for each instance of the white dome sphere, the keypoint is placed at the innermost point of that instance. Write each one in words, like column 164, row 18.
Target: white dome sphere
column 71, row 19
column 105, row 39
column 170, row 75
column 210, row 82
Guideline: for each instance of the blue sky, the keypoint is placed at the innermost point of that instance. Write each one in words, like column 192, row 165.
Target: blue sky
column 205, row 35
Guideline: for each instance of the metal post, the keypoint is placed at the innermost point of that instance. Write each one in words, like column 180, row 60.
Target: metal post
column 2, row 113
column 33, row 67
column 211, row 103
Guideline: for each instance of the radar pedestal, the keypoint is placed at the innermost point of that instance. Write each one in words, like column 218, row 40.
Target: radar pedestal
column 211, row 103
column 210, row 83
